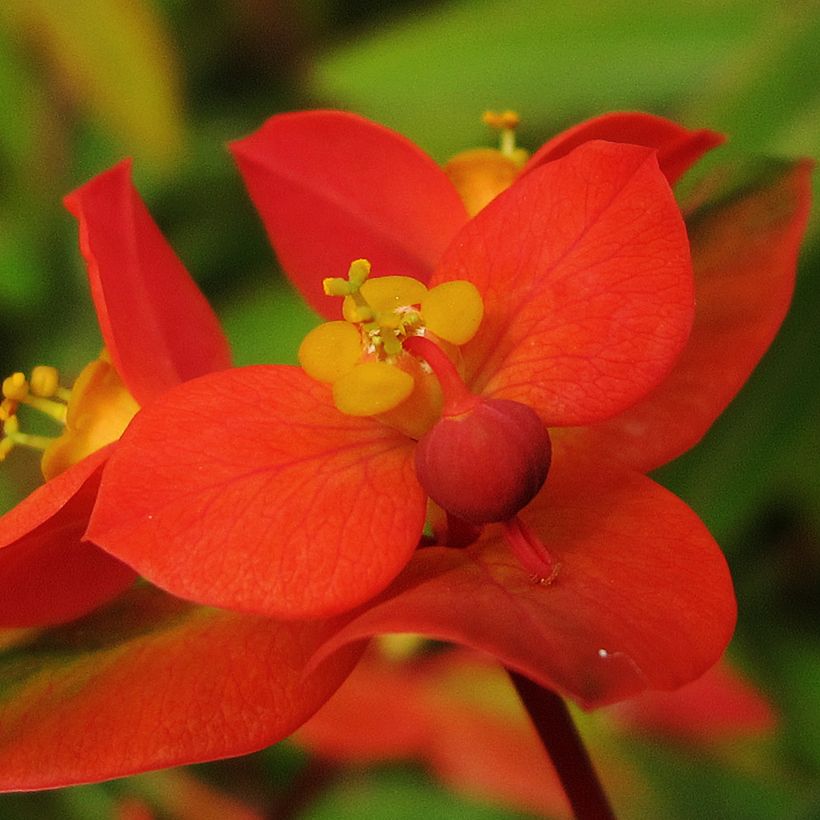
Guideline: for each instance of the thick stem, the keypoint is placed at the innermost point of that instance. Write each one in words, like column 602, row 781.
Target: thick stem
column 557, row 731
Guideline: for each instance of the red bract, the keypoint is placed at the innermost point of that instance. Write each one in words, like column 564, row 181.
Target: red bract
column 147, row 680
column 158, row 330
column 151, row 681
column 457, row 713
column 248, row 489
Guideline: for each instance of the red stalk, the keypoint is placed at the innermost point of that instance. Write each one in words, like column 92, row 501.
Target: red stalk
column 569, row 756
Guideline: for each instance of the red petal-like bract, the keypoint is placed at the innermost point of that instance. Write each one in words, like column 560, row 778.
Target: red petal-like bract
column 151, row 682
column 584, row 269
column 643, row 598
column 156, row 324
column 455, row 712
column 332, row 187
column 744, row 253
column 718, row 706
column 678, row 147
column 47, row 573
column 248, row 489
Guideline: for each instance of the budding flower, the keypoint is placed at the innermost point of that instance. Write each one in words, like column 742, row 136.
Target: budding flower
column 487, row 463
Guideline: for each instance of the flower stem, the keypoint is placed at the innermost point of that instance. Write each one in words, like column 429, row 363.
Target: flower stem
column 569, row 756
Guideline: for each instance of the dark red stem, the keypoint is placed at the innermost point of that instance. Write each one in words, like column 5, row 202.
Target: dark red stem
column 557, row 731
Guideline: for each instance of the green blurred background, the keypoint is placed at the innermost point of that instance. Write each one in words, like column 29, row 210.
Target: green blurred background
column 170, row 81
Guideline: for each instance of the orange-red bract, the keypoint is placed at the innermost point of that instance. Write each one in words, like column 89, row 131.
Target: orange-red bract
column 584, row 269
column 147, row 680
column 158, row 330
column 151, row 681
column 456, row 712
column 248, row 489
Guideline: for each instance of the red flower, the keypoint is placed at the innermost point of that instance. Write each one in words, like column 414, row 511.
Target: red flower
column 147, row 680
column 158, row 331
column 249, row 489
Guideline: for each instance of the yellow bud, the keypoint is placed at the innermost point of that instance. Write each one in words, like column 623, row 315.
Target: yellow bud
column 453, row 311
column 330, row 350
column 371, row 388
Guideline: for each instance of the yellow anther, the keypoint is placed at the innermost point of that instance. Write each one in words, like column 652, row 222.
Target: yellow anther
column 501, row 119
column 15, row 387
column 505, row 123
column 358, row 272
column 356, row 276
column 7, row 409
column 335, row 286
column 453, row 311
column 371, row 388
column 364, row 359
column 45, row 381
column 330, row 350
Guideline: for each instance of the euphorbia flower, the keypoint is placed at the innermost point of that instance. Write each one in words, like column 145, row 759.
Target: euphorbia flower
column 269, row 490
column 249, row 488
column 145, row 680
column 158, row 330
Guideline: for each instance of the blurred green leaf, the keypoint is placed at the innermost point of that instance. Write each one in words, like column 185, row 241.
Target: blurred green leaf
column 431, row 75
column 767, row 87
column 689, row 785
column 399, row 794
column 266, row 323
column 116, row 58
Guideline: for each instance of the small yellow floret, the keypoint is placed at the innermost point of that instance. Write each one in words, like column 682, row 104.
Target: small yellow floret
column 330, row 350
column 44, row 381
column 371, row 388
column 453, row 311
column 98, row 413
column 502, row 119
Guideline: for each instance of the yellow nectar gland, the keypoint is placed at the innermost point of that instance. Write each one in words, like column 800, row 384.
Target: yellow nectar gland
column 93, row 413
column 480, row 174
column 362, row 357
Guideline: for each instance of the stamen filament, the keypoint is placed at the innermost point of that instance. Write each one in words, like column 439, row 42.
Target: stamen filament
column 505, row 123
column 55, row 409
column 457, row 398
column 12, row 437
column 530, row 551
